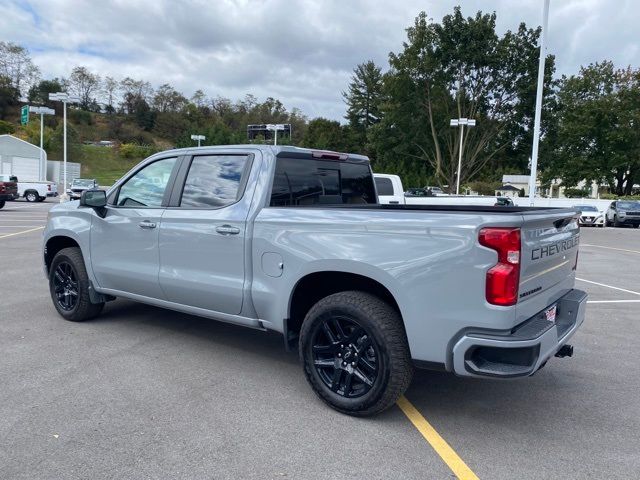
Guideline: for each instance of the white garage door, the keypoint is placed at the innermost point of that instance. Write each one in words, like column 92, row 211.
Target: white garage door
column 26, row 169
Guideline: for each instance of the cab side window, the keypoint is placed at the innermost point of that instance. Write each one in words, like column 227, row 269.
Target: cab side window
column 147, row 186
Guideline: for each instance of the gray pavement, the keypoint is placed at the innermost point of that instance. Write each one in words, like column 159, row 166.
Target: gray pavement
column 142, row 392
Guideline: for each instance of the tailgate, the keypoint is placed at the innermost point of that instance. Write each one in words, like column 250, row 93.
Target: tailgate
column 549, row 249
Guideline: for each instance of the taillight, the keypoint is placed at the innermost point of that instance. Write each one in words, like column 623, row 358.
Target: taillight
column 503, row 279
column 49, row 187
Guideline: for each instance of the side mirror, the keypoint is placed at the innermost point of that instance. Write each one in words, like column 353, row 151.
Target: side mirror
column 96, row 199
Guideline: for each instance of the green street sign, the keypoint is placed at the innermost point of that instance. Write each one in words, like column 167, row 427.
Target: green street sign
column 24, row 115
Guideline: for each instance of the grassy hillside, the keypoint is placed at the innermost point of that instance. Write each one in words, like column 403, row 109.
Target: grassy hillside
column 104, row 163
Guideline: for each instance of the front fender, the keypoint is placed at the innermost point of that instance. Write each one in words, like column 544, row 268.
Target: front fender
column 74, row 224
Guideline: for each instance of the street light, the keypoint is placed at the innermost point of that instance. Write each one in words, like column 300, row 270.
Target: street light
column 42, row 111
column 198, row 138
column 538, row 112
column 461, row 122
column 275, row 127
column 65, row 98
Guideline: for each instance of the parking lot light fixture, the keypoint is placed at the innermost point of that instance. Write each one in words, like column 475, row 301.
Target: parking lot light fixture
column 198, row 138
column 275, row 127
column 65, row 98
column 460, row 123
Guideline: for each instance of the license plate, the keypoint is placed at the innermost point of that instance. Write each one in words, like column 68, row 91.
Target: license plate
column 550, row 314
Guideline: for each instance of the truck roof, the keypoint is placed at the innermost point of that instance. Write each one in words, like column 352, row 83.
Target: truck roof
column 273, row 149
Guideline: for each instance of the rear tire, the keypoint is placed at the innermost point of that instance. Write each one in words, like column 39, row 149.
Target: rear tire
column 362, row 365
column 31, row 196
column 2, row 202
column 69, row 286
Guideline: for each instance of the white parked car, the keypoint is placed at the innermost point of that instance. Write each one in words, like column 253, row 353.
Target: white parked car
column 590, row 216
column 79, row 185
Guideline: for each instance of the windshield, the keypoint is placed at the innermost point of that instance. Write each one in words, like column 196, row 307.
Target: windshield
column 8, row 178
column 79, row 182
column 585, row 208
column 629, row 205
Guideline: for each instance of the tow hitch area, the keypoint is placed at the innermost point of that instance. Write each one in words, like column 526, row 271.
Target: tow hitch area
column 565, row 351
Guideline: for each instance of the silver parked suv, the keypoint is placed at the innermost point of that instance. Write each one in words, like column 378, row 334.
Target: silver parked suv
column 623, row 212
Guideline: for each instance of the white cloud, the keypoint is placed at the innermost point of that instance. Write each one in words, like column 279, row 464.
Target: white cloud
column 301, row 52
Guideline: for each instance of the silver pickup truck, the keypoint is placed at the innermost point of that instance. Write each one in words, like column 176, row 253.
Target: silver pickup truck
column 294, row 240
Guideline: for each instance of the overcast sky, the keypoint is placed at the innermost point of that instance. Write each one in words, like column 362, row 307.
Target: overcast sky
column 301, row 52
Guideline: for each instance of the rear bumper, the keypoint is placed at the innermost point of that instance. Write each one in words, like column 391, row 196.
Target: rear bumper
column 524, row 350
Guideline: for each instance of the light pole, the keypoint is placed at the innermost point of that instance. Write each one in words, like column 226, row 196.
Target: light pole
column 461, row 122
column 536, row 121
column 198, row 138
column 275, row 127
column 42, row 111
column 65, row 98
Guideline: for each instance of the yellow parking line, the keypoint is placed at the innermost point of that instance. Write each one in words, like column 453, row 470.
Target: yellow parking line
column 20, row 233
column 442, row 448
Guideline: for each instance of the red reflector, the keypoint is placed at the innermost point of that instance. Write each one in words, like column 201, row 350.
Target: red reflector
column 329, row 155
column 503, row 279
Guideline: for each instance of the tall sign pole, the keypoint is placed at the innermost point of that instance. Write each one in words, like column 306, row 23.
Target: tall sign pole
column 42, row 111
column 536, row 122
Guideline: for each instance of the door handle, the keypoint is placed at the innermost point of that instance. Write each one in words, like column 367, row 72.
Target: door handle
column 395, row 202
column 147, row 224
column 227, row 230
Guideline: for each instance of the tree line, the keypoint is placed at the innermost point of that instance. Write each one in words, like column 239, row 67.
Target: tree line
column 400, row 115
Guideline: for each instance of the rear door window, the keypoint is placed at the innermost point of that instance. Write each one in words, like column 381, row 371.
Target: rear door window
column 214, row 181
column 305, row 182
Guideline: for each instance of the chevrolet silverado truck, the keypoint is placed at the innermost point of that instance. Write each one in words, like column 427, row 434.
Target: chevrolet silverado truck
column 295, row 241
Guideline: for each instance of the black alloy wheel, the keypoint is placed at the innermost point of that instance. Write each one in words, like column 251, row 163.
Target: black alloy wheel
column 355, row 353
column 344, row 356
column 65, row 283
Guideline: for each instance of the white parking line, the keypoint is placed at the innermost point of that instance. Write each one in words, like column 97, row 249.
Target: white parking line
column 609, row 248
column 608, row 286
column 19, row 226
column 613, row 301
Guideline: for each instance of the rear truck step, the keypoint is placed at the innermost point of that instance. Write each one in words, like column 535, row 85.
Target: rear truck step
column 523, row 350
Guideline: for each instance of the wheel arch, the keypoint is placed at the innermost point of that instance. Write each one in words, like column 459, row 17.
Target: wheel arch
column 56, row 243
column 313, row 286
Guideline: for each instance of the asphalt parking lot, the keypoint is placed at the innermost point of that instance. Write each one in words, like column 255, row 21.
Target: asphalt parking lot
column 145, row 393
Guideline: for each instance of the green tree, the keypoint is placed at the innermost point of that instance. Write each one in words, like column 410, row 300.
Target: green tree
column 9, row 96
column 326, row 135
column 459, row 68
column 39, row 92
column 597, row 128
column 17, row 66
column 363, row 98
column 85, row 85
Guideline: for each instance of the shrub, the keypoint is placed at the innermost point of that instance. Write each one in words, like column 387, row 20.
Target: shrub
column 80, row 117
column 576, row 193
column 7, row 127
column 131, row 150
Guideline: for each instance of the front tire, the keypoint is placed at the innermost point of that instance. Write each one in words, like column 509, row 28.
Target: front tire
column 69, row 286
column 355, row 353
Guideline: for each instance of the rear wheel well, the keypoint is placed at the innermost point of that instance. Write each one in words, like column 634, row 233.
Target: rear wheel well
column 316, row 286
column 54, row 245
